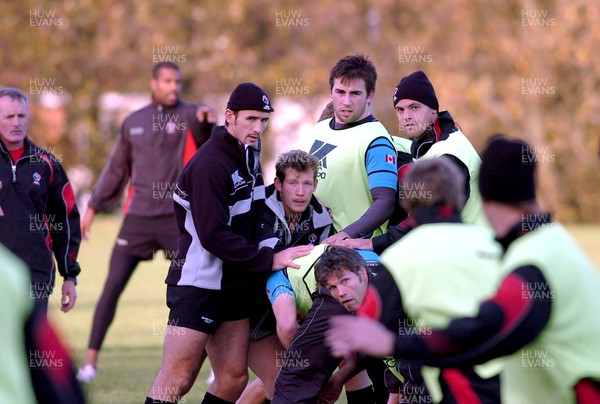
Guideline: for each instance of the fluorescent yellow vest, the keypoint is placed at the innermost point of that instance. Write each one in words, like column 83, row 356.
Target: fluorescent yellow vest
column 15, row 306
column 443, row 271
column 568, row 349
column 459, row 146
column 401, row 144
column 343, row 183
column 303, row 279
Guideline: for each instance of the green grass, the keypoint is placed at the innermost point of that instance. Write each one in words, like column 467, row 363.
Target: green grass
column 132, row 352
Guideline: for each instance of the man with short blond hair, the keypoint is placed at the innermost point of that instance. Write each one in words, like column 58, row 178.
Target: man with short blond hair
column 293, row 216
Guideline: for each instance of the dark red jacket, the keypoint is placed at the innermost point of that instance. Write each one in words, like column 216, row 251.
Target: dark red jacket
column 154, row 145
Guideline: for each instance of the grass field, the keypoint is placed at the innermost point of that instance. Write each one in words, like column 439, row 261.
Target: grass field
column 132, row 352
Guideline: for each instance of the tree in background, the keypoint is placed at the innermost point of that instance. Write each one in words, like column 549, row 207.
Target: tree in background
column 523, row 67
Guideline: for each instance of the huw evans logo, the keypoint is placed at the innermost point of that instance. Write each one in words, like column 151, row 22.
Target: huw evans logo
column 168, row 123
column 413, row 54
column 39, row 359
column 291, row 19
column 167, row 53
column 537, row 18
column 291, row 359
column 45, row 19
column 290, row 86
column 44, row 85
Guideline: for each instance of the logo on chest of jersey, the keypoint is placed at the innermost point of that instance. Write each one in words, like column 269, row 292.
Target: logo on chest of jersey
column 238, row 180
column 136, row 131
column 320, row 150
column 37, row 178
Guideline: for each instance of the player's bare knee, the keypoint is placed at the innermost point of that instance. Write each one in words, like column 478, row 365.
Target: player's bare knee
column 239, row 379
column 176, row 382
column 232, row 381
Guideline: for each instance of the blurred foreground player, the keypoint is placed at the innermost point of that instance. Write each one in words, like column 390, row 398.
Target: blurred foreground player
column 544, row 316
column 35, row 366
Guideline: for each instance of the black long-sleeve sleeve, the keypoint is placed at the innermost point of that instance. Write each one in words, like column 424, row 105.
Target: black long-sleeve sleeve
column 395, row 233
column 378, row 212
column 114, row 177
column 65, row 230
column 515, row 316
column 464, row 170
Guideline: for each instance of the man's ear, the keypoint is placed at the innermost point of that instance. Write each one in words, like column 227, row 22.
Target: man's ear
column 370, row 97
column 364, row 276
column 278, row 184
column 229, row 116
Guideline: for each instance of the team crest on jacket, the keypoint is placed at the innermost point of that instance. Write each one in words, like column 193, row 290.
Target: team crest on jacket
column 312, row 238
column 36, row 178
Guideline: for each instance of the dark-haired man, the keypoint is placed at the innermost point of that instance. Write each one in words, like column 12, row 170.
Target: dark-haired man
column 425, row 286
column 217, row 280
column 357, row 176
column 433, row 134
column 154, row 145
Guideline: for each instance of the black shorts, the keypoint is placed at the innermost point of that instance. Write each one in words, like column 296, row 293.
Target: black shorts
column 144, row 236
column 262, row 322
column 205, row 309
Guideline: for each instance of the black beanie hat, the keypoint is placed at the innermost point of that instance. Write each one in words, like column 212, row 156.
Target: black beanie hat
column 507, row 171
column 249, row 96
column 416, row 86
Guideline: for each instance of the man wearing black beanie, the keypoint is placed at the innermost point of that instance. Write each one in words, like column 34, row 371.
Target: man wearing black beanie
column 507, row 172
column 543, row 319
column 217, row 280
column 433, row 134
